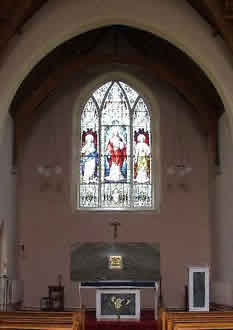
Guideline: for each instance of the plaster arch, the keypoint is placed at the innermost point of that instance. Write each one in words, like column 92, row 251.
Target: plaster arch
column 61, row 20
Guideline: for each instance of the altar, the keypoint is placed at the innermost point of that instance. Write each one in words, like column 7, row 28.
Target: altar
column 120, row 300
column 119, row 273
column 118, row 304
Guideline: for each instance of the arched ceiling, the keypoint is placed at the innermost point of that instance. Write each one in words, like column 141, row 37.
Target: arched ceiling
column 15, row 13
column 118, row 45
column 156, row 56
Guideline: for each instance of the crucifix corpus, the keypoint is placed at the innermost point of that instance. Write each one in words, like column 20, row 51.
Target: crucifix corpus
column 115, row 225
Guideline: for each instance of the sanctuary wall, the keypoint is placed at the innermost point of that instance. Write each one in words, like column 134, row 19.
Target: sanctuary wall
column 48, row 225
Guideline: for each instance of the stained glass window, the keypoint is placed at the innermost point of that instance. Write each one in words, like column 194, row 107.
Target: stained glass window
column 115, row 153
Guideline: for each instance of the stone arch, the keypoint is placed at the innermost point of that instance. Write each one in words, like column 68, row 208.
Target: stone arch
column 167, row 19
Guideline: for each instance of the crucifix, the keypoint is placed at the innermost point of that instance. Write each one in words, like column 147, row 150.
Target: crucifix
column 115, row 225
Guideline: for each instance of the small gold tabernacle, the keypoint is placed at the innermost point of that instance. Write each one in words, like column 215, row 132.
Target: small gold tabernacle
column 115, row 262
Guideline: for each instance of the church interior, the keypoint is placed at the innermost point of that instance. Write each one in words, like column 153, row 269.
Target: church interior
column 116, row 123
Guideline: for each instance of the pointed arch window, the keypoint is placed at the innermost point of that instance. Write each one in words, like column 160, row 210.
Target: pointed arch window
column 115, row 153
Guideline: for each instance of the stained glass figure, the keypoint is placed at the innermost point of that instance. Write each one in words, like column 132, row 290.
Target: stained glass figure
column 115, row 153
column 89, row 157
column 142, row 157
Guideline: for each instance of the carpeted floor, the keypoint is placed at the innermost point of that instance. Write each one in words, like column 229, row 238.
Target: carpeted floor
column 146, row 323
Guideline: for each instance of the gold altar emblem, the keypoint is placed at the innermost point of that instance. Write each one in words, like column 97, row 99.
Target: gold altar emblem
column 115, row 262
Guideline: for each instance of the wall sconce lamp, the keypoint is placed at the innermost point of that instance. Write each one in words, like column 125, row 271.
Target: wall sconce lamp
column 180, row 173
column 47, row 170
column 179, row 170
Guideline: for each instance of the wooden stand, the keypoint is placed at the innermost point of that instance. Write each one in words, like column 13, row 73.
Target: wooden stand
column 56, row 298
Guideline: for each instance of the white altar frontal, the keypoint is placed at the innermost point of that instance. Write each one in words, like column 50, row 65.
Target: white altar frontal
column 118, row 304
column 120, row 300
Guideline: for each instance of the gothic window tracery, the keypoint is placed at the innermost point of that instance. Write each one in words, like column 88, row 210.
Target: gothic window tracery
column 115, row 152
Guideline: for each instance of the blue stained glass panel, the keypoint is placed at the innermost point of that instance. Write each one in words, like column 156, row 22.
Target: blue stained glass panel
column 89, row 157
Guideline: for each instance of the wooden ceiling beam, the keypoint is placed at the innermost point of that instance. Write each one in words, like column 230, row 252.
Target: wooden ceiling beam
column 216, row 8
column 15, row 13
column 16, row 16
column 228, row 9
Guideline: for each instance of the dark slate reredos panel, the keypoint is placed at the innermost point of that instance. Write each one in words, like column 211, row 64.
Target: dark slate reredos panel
column 89, row 261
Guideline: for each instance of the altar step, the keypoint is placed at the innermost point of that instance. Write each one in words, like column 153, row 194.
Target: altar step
column 146, row 323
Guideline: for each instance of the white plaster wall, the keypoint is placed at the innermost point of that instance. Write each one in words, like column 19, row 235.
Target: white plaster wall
column 7, row 202
column 223, row 225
